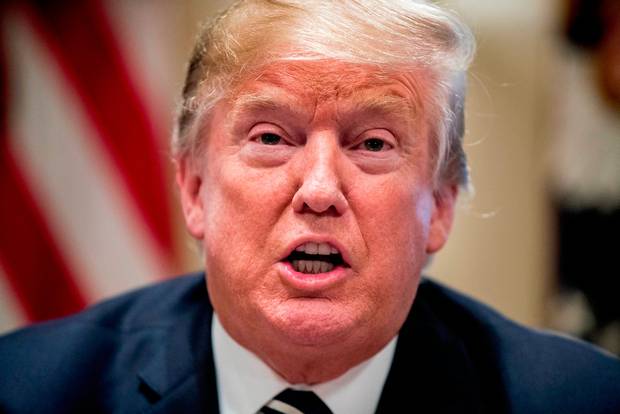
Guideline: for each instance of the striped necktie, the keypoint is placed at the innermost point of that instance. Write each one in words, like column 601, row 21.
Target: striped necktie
column 292, row 401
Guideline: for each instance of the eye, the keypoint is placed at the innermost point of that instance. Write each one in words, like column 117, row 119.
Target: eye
column 269, row 138
column 374, row 144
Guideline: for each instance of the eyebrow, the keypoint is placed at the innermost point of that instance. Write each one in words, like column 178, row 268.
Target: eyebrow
column 260, row 102
column 391, row 104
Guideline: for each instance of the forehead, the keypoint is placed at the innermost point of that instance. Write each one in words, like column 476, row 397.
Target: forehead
column 323, row 78
column 309, row 84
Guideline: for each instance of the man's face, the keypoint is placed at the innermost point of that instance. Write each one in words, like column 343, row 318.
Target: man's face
column 315, row 205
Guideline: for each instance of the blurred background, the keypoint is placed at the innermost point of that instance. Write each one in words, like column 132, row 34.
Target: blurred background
column 88, row 206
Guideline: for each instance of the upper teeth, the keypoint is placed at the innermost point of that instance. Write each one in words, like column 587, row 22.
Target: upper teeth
column 317, row 248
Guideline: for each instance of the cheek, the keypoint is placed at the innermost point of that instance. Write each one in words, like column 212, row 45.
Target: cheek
column 242, row 207
column 240, row 200
column 395, row 221
column 393, row 210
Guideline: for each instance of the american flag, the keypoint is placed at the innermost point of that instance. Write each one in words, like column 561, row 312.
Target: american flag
column 85, row 187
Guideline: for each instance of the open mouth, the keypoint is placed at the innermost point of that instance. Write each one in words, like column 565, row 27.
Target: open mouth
column 314, row 258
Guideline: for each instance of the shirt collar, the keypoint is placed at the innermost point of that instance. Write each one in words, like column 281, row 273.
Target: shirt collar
column 245, row 383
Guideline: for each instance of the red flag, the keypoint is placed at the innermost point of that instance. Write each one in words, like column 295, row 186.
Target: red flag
column 84, row 192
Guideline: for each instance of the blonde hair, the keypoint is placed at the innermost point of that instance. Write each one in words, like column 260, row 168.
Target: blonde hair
column 393, row 35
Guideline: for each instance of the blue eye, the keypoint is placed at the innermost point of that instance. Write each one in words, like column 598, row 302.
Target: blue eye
column 270, row 139
column 374, row 144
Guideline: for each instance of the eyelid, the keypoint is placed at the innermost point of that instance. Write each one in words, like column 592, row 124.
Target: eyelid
column 383, row 134
column 267, row 128
column 387, row 145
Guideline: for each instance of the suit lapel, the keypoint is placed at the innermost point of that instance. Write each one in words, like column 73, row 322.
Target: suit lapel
column 181, row 375
column 431, row 368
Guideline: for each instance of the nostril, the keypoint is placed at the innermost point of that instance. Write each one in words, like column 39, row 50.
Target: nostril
column 330, row 211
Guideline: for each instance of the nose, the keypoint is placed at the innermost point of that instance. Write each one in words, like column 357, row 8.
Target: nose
column 320, row 191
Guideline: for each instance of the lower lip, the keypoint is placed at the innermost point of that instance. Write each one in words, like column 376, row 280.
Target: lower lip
column 310, row 282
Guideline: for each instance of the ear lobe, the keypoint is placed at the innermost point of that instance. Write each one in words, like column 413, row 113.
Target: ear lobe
column 189, row 182
column 442, row 217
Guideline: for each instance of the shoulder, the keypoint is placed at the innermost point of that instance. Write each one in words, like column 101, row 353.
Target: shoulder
column 541, row 371
column 150, row 308
column 58, row 360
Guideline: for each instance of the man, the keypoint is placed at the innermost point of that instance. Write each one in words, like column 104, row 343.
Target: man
column 319, row 157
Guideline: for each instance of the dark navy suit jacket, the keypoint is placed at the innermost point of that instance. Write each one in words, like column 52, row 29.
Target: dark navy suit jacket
column 149, row 351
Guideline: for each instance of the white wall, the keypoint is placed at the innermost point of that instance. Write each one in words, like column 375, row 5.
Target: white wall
column 501, row 249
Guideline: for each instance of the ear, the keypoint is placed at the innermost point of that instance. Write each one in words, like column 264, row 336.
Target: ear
column 442, row 217
column 189, row 180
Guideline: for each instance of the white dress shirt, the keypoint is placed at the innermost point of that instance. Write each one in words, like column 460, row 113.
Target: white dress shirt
column 245, row 383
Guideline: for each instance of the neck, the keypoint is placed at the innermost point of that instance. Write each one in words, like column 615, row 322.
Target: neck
column 309, row 364
column 305, row 356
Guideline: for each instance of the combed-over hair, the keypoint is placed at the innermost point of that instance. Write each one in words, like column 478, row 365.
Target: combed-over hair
column 392, row 35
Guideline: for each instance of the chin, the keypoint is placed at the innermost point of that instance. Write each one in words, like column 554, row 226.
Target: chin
column 313, row 322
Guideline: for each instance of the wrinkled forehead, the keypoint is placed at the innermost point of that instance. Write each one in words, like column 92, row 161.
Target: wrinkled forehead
column 324, row 79
column 323, row 82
